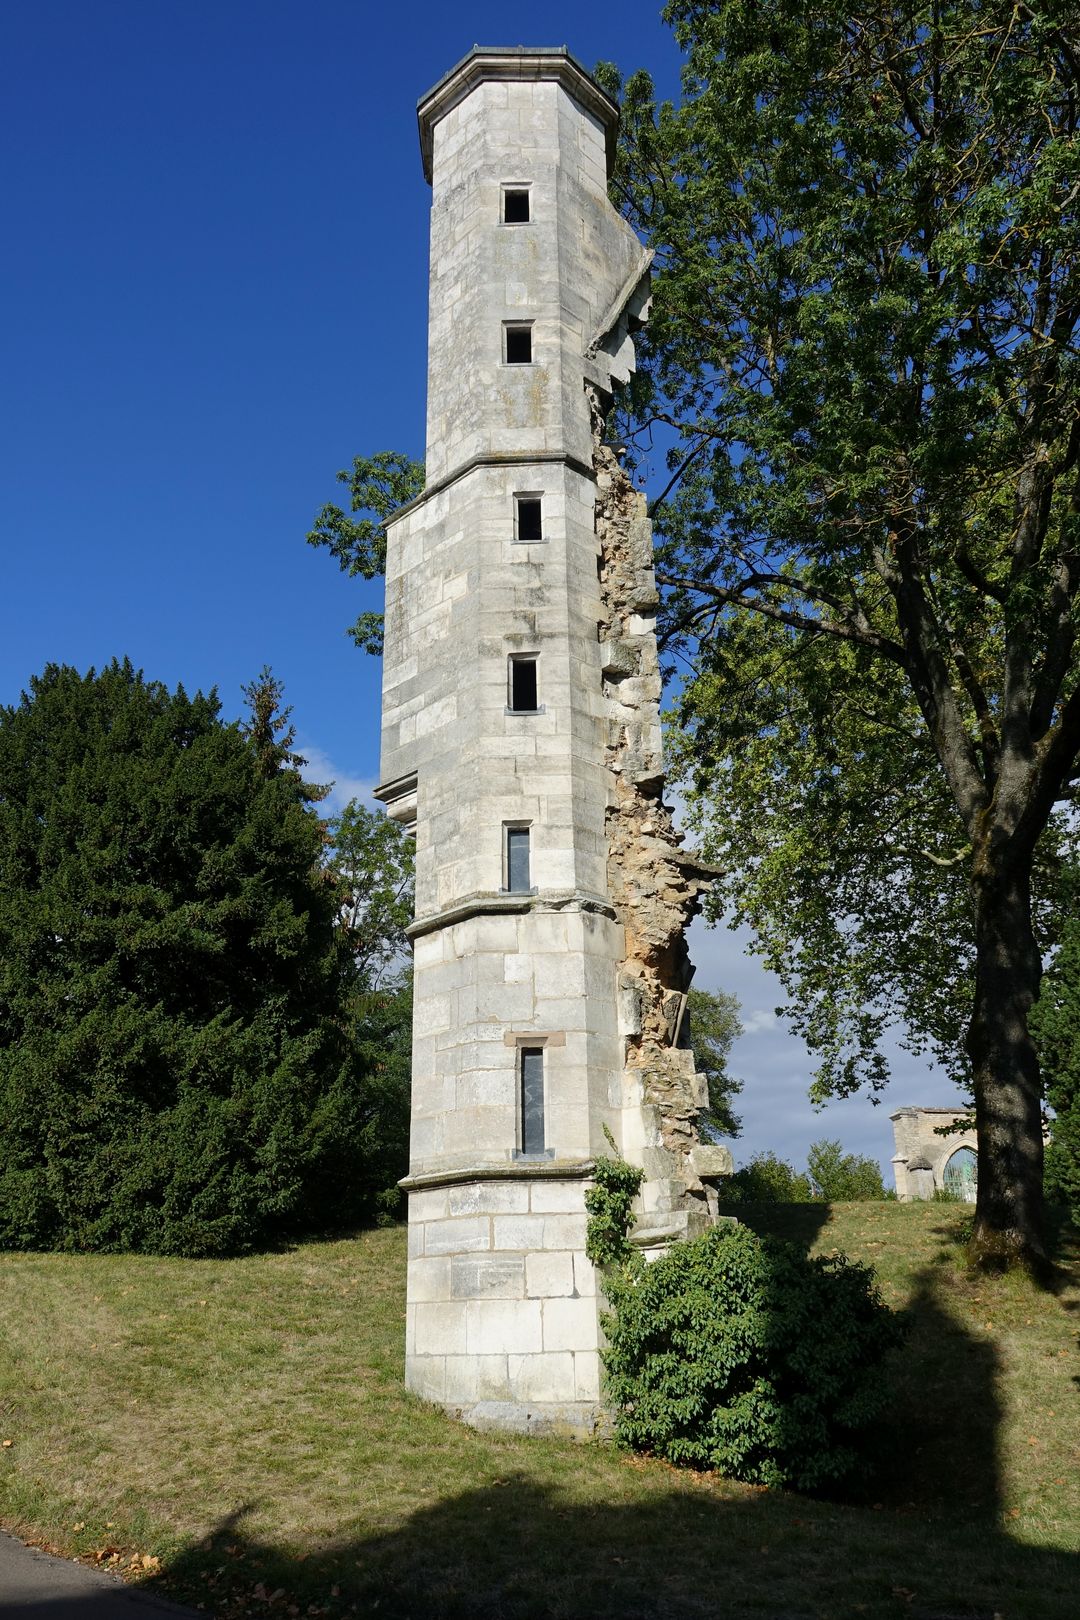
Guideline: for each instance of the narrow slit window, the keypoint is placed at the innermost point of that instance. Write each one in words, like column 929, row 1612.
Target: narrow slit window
column 532, row 1099
column 523, row 684
column 528, row 518
column 517, row 860
column 518, row 340
column 516, row 205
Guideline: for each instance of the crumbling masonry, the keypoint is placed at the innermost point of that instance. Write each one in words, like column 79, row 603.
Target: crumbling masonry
column 521, row 739
column 655, row 885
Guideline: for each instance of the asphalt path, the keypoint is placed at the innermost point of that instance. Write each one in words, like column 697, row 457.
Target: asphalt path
column 36, row 1586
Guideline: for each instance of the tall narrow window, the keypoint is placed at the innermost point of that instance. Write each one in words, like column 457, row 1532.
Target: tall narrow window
column 517, row 860
column 532, row 1099
column 522, row 686
column 528, row 517
column 515, row 205
column 518, row 343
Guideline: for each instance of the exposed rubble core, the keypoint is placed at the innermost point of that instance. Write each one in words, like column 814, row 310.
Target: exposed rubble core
column 655, row 885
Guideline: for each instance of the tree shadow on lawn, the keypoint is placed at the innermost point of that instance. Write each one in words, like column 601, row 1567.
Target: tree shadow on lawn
column 925, row 1541
column 517, row 1550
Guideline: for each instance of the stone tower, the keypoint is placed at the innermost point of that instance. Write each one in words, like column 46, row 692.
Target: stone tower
column 521, row 739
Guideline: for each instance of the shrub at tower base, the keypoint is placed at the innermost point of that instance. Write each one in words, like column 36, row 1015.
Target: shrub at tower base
column 742, row 1354
column 174, row 1073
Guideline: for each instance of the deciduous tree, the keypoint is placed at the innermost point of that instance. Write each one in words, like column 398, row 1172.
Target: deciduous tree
column 378, row 485
column 714, row 1027
column 372, row 860
column 864, row 342
column 1056, row 1026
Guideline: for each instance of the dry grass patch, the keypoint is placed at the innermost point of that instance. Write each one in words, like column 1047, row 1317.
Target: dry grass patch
column 245, row 1423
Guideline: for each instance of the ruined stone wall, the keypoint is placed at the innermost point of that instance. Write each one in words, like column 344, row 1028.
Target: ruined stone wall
column 654, row 884
column 921, row 1154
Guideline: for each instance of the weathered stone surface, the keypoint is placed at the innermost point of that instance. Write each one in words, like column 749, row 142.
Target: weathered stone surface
column 655, row 885
column 588, row 960
column 921, row 1154
column 711, row 1159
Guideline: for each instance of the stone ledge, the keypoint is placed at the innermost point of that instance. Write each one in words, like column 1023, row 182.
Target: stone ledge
column 574, row 1420
column 490, row 904
column 485, row 63
column 537, row 1170
column 494, row 458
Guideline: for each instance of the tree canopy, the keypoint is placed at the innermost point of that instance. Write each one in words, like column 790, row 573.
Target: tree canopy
column 714, row 1028
column 862, row 355
column 1056, row 1026
column 175, row 1069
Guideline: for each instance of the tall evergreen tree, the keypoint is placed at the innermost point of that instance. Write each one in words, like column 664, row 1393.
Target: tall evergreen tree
column 175, row 1075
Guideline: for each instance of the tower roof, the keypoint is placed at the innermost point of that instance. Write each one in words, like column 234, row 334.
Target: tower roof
column 486, row 62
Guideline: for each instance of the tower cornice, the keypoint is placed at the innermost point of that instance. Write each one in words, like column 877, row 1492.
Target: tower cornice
column 486, row 63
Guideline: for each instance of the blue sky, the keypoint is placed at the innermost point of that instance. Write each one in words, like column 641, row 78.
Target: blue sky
column 213, row 277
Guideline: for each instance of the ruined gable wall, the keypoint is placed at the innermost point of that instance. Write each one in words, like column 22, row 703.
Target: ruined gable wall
column 655, row 885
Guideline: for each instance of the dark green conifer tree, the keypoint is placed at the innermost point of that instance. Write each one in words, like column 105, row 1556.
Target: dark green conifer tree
column 175, row 1073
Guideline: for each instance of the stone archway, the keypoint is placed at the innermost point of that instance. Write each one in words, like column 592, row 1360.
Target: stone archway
column 961, row 1175
column 928, row 1140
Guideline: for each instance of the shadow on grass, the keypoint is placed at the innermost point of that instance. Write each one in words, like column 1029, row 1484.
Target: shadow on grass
column 925, row 1542
column 517, row 1550
column 795, row 1223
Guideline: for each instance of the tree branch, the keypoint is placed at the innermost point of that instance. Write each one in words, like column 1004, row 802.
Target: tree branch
column 734, row 596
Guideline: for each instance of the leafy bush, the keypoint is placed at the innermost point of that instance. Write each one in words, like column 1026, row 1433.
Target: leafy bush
column 840, row 1176
column 767, row 1179
column 607, row 1204
column 741, row 1354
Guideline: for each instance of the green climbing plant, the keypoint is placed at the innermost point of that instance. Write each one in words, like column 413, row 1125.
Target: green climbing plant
column 610, row 1209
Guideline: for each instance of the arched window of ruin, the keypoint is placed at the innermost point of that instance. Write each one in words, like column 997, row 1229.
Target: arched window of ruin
column 962, row 1174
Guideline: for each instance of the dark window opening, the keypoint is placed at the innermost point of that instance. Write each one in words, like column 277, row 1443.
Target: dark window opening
column 517, row 860
column 515, row 207
column 527, row 518
column 519, row 345
column 523, row 688
column 532, row 1099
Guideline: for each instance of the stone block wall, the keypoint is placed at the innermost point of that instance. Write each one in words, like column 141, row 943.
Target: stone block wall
column 502, row 1316
column 502, row 1309
column 921, row 1155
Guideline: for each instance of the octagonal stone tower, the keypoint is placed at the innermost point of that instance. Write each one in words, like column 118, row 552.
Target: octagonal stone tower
column 521, row 739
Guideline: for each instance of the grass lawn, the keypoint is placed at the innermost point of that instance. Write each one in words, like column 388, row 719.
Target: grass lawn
column 237, row 1431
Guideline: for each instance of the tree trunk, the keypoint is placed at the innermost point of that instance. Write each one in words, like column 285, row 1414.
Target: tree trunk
column 1008, row 1088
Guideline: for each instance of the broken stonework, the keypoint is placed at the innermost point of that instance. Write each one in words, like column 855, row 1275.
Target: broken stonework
column 655, row 885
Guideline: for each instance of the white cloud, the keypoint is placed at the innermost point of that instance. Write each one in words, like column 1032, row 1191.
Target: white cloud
column 321, row 768
column 762, row 1018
